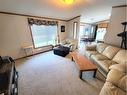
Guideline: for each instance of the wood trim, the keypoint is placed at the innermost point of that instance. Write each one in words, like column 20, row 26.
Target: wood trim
column 108, row 20
column 103, row 25
column 74, row 18
column 119, row 6
column 83, row 23
column 94, row 23
column 10, row 13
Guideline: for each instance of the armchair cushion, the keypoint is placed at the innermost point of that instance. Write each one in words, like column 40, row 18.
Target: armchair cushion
column 72, row 44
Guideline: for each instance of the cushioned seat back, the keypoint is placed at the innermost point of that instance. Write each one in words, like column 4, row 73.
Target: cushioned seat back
column 75, row 44
column 100, row 47
column 121, row 56
column 117, row 76
column 110, row 51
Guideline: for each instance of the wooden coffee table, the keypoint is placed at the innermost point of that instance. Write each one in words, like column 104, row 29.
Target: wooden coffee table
column 83, row 63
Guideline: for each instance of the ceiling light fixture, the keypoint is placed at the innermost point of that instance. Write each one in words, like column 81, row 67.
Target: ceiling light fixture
column 69, row 1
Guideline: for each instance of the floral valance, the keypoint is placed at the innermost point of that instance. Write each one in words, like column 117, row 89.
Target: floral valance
column 32, row 21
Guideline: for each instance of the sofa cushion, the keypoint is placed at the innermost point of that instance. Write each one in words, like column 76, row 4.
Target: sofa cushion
column 117, row 78
column 110, row 89
column 120, row 67
column 100, row 47
column 89, row 53
column 110, row 51
column 90, row 48
column 98, row 57
column 67, row 45
column 105, row 64
column 116, row 81
column 63, row 42
column 121, row 56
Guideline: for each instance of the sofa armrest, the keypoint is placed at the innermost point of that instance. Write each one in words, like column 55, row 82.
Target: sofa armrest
column 91, row 47
column 72, row 47
column 120, row 67
column 117, row 76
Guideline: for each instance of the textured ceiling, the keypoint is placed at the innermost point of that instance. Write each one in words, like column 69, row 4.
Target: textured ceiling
column 90, row 10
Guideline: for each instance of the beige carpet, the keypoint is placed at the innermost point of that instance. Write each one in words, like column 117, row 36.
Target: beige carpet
column 49, row 74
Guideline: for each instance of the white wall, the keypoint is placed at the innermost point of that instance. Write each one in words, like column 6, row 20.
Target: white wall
column 15, row 33
column 70, row 27
column 117, row 17
column 62, row 35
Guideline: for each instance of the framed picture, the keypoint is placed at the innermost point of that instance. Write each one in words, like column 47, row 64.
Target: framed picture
column 62, row 28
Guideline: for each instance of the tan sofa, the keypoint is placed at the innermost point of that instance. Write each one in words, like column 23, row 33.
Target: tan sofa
column 105, row 55
column 116, row 81
column 112, row 63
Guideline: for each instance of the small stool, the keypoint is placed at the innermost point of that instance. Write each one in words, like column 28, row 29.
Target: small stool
column 61, row 51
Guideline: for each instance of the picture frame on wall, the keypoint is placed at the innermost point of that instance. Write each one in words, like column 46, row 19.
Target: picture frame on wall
column 62, row 28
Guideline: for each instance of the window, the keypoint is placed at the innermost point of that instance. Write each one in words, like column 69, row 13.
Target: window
column 100, row 34
column 75, row 30
column 87, row 31
column 44, row 35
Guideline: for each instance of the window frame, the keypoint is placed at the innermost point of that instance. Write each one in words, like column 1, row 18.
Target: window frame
column 75, row 25
column 101, row 28
column 33, row 39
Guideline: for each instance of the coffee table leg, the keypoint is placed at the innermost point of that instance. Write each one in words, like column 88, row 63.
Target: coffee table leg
column 72, row 59
column 95, row 73
column 80, row 74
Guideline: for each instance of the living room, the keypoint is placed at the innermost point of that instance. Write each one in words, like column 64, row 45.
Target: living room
column 40, row 71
